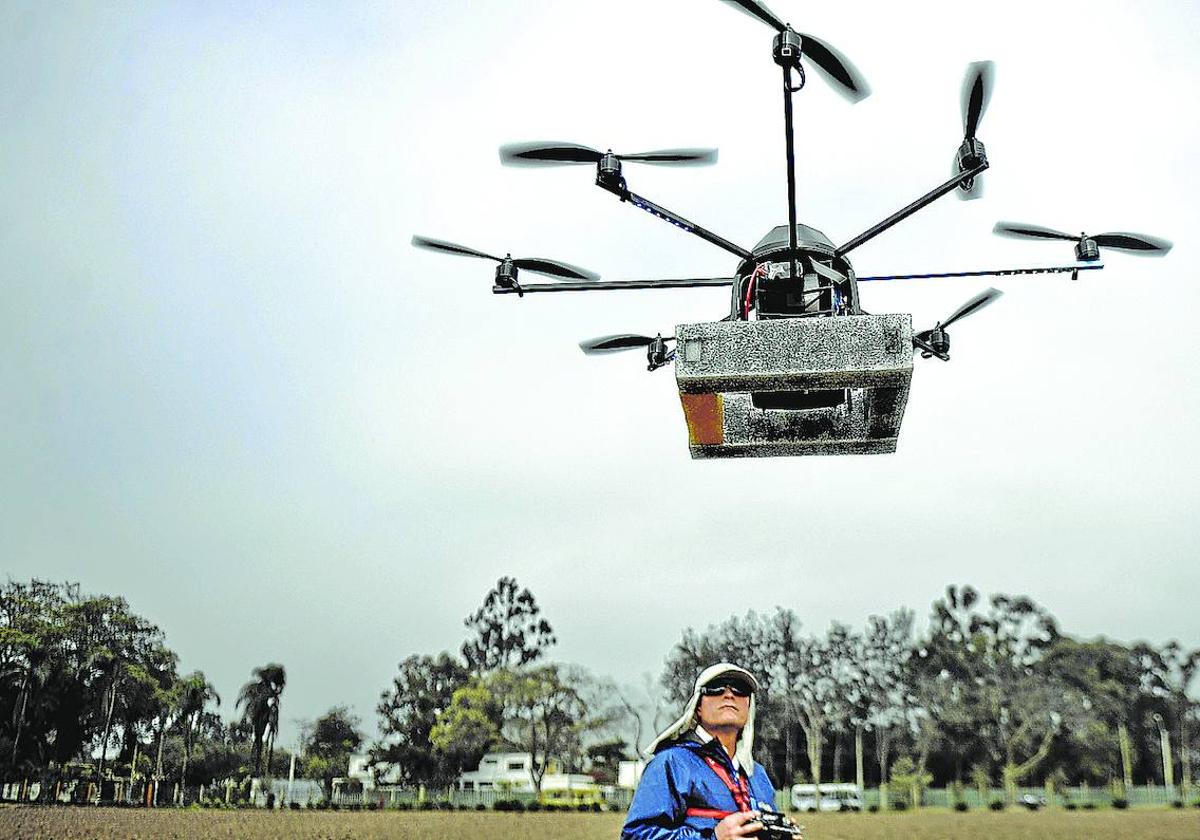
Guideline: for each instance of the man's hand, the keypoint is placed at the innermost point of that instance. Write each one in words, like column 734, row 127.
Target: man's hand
column 738, row 824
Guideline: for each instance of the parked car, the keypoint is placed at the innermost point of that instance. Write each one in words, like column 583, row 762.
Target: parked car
column 835, row 796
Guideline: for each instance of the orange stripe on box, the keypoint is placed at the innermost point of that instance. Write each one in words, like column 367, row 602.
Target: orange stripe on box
column 705, row 415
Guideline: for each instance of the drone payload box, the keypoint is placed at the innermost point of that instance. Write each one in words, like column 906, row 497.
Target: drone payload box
column 794, row 386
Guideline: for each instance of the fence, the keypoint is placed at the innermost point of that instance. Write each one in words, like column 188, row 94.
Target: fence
column 1137, row 795
column 309, row 792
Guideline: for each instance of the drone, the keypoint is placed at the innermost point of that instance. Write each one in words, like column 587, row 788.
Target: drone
column 796, row 366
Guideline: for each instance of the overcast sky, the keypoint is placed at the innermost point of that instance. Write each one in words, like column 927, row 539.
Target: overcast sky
column 232, row 392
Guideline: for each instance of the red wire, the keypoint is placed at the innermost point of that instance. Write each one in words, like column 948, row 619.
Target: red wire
column 750, row 290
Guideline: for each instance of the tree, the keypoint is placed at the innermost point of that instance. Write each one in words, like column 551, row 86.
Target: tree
column 984, row 671
column 195, row 693
column 1166, row 675
column 328, row 742
column 543, row 715
column 1109, row 676
column 261, row 697
column 422, row 689
column 506, row 631
column 70, row 672
column 539, row 710
column 883, row 689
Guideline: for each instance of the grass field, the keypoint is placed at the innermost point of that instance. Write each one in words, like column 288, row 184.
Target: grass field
column 103, row 823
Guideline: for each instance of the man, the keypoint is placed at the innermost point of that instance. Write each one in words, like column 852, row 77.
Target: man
column 702, row 781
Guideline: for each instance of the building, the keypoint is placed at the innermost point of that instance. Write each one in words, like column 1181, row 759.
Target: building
column 513, row 773
column 629, row 773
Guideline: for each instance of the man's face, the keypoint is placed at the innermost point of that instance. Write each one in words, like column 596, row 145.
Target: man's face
column 730, row 708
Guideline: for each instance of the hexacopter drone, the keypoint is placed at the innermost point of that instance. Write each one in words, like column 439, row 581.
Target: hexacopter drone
column 796, row 367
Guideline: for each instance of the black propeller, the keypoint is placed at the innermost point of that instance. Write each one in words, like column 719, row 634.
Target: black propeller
column 550, row 153
column 1135, row 243
column 552, row 268
column 976, row 92
column 656, row 348
column 936, row 342
column 838, row 69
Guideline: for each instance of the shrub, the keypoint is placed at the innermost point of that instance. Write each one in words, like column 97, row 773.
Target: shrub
column 1089, row 806
column 1178, row 803
column 479, row 806
column 534, row 806
column 426, row 806
column 873, row 808
column 404, row 806
column 899, row 805
column 997, row 804
column 294, row 806
column 1120, row 803
column 961, row 806
column 1070, row 806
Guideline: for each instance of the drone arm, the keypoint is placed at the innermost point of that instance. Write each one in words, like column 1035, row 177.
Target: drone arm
column 998, row 272
column 610, row 285
column 625, row 194
column 900, row 215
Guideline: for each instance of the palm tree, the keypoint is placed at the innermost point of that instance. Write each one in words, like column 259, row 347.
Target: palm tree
column 260, row 697
column 195, row 693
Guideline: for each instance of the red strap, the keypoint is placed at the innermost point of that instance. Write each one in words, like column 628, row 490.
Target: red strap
column 711, row 813
column 740, row 791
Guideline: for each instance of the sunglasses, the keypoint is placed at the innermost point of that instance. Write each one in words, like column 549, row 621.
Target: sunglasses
column 716, row 689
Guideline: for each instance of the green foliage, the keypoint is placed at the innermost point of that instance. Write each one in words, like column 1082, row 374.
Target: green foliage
column 466, row 729
column 909, row 780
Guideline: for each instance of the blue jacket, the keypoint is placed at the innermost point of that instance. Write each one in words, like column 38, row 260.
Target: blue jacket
column 678, row 778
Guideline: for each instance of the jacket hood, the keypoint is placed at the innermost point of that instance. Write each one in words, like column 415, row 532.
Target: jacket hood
column 689, row 720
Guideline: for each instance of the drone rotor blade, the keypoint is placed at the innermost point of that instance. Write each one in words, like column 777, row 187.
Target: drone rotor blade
column 838, row 69
column 976, row 92
column 547, row 154
column 1031, row 231
column 675, row 157
column 555, row 268
column 1138, row 243
column 973, row 305
column 759, row 10
column 450, row 248
column 614, row 343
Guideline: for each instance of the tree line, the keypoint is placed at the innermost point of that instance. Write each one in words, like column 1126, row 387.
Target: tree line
column 991, row 691
column 88, row 688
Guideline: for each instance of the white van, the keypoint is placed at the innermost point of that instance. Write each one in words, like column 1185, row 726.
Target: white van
column 835, row 796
